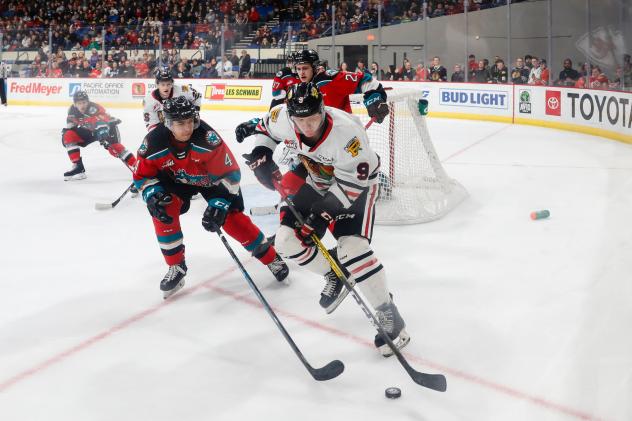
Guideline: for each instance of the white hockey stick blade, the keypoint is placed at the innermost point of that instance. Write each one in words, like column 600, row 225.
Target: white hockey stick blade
column 102, row 206
column 264, row 210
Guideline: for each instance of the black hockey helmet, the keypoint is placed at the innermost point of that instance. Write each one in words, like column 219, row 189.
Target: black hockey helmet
column 306, row 57
column 163, row 75
column 304, row 99
column 180, row 108
column 80, row 96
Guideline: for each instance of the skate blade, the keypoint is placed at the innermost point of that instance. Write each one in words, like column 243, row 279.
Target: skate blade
column 343, row 294
column 81, row 176
column 402, row 340
column 178, row 287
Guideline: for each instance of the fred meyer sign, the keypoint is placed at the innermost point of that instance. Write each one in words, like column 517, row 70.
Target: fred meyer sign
column 478, row 98
column 35, row 88
column 221, row 91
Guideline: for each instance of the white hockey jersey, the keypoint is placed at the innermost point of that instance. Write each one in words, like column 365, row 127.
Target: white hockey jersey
column 342, row 161
column 152, row 104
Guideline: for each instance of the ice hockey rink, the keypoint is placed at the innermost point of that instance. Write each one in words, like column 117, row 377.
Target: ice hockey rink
column 528, row 320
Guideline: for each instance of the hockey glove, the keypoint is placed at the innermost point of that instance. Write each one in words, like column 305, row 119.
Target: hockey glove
column 215, row 214
column 156, row 204
column 322, row 213
column 246, row 129
column 266, row 170
column 376, row 106
column 102, row 134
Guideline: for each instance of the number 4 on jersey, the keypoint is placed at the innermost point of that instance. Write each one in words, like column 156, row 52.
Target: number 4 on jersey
column 228, row 161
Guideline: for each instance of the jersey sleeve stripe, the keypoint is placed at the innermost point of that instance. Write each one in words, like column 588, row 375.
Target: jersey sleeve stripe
column 158, row 154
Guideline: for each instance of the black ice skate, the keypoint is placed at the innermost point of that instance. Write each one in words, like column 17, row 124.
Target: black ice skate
column 279, row 269
column 334, row 292
column 173, row 280
column 393, row 324
column 78, row 172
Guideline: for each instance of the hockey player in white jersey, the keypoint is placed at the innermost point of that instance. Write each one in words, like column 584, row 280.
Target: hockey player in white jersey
column 342, row 187
column 166, row 88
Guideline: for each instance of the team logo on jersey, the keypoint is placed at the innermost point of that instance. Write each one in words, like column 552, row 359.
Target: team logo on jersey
column 169, row 163
column 353, row 147
column 213, row 139
column 274, row 114
column 290, row 143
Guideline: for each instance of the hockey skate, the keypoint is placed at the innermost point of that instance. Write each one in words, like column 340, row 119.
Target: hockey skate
column 393, row 324
column 334, row 292
column 279, row 269
column 173, row 280
column 78, row 172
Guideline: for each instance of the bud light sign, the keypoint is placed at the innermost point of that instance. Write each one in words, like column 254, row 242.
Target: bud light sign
column 478, row 98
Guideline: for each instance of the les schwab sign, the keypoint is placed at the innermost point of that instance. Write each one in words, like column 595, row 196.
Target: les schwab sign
column 221, row 91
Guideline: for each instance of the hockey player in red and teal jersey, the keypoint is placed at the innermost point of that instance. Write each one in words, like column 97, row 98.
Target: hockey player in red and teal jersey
column 182, row 157
column 88, row 122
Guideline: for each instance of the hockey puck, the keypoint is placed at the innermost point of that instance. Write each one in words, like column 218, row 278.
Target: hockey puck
column 393, row 392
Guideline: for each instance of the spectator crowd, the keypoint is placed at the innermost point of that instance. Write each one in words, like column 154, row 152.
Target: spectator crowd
column 527, row 70
column 122, row 38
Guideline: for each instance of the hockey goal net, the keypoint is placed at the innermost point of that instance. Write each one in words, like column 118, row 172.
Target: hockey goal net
column 414, row 186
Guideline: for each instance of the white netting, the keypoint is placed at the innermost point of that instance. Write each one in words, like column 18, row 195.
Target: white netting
column 414, row 186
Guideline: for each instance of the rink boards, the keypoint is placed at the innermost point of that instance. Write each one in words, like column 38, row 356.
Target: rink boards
column 597, row 112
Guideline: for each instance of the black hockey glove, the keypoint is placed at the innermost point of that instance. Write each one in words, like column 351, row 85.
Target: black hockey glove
column 156, row 206
column 376, row 106
column 215, row 214
column 266, row 170
column 246, row 129
column 102, row 135
column 322, row 213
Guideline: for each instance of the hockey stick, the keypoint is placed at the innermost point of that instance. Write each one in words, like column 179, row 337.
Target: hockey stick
column 328, row 372
column 264, row 210
column 371, row 121
column 106, row 206
column 432, row 381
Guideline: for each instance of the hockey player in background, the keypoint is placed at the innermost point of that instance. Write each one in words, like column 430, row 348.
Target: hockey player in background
column 179, row 158
column 283, row 79
column 86, row 123
column 165, row 89
column 335, row 86
column 342, row 187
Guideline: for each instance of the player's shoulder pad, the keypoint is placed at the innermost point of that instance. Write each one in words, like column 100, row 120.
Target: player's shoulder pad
column 206, row 137
column 286, row 71
column 155, row 141
column 275, row 112
column 94, row 108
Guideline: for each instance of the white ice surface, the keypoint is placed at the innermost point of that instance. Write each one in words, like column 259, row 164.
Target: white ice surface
column 528, row 320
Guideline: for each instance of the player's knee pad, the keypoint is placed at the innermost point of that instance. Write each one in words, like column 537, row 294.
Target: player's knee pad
column 356, row 255
column 70, row 137
column 288, row 245
column 286, row 242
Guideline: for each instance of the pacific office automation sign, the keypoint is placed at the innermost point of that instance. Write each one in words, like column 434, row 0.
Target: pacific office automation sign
column 603, row 107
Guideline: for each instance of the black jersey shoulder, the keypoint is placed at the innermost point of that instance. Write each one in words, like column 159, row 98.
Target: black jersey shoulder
column 155, row 141
column 285, row 72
